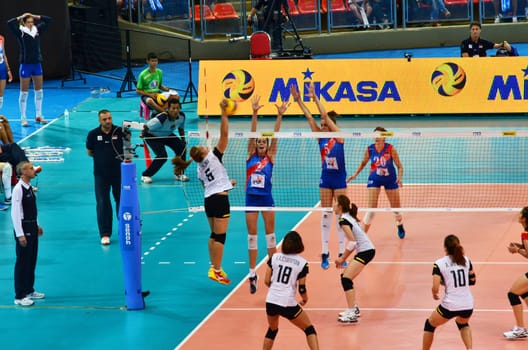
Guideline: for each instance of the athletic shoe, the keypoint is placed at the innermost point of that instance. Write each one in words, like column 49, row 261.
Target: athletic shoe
column 344, row 264
column 401, row 231
column 36, row 295
column 146, row 179
column 348, row 317
column 182, row 178
column 514, row 19
column 37, row 169
column 24, row 302
column 41, row 120
column 105, row 240
column 325, row 263
column 3, row 207
column 220, row 277
column 24, row 122
column 253, row 284
column 210, row 273
column 356, row 312
column 516, row 333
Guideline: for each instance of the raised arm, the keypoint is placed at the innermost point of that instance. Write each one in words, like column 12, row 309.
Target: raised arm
column 224, row 128
column 272, row 151
column 297, row 98
column 255, row 105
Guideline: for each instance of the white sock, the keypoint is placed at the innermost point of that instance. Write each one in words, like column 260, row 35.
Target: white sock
column 6, row 179
column 1, row 102
column 39, row 96
column 252, row 272
column 326, row 224
column 340, row 236
column 22, row 102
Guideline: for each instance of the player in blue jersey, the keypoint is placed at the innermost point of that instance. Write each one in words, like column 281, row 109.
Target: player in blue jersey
column 333, row 173
column 383, row 158
column 259, row 170
column 5, row 71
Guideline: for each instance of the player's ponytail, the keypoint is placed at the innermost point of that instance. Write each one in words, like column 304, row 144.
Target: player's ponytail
column 455, row 250
column 347, row 206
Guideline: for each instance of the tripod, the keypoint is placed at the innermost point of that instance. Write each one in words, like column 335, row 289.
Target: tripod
column 299, row 50
column 190, row 86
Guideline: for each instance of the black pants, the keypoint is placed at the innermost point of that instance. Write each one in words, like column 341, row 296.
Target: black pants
column 157, row 145
column 26, row 262
column 103, row 186
column 273, row 26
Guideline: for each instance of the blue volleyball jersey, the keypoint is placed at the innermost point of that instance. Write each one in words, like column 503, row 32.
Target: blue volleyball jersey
column 333, row 173
column 382, row 168
column 258, row 175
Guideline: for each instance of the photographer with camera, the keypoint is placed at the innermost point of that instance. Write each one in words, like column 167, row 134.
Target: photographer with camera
column 271, row 20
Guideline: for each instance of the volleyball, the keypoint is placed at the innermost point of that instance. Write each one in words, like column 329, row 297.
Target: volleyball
column 448, row 79
column 231, row 106
column 238, row 85
column 161, row 99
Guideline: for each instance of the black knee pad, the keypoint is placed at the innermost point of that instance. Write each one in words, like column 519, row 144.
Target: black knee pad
column 524, row 296
column 220, row 238
column 428, row 327
column 212, row 236
column 347, row 283
column 309, row 330
column 270, row 334
column 461, row 325
column 514, row 299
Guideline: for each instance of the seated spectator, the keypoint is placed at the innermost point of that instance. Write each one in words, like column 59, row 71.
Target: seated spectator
column 475, row 46
column 379, row 15
column 438, row 6
column 361, row 10
column 150, row 85
column 12, row 154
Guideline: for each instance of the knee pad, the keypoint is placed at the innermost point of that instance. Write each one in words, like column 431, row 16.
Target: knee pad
column 252, row 242
column 524, row 296
column 514, row 299
column 270, row 334
column 369, row 216
column 461, row 325
column 428, row 327
column 220, row 238
column 347, row 283
column 212, row 236
column 271, row 241
column 310, row 330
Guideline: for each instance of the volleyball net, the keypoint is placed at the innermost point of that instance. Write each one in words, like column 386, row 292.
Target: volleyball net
column 443, row 171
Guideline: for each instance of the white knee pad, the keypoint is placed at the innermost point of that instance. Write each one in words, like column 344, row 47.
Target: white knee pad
column 369, row 216
column 271, row 241
column 1, row 101
column 252, row 242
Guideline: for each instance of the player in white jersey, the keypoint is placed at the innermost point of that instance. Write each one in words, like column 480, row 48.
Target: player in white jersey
column 519, row 288
column 456, row 273
column 216, row 184
column 287, row 272
column 359, row 241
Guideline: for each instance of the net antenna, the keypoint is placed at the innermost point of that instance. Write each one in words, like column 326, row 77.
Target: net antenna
column 467, row 171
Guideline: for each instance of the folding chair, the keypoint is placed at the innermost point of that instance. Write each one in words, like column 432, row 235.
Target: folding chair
column 260, row 46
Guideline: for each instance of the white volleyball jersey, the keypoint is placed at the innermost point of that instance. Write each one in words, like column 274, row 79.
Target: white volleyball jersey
column 286, row 270
column 213, row 174
column 362, row 240
column 456, row 281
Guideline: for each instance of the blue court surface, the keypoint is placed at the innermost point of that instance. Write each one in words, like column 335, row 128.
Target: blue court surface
column 83, row 281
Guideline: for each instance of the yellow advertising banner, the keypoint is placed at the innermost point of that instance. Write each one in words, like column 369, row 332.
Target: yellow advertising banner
column 370, row 86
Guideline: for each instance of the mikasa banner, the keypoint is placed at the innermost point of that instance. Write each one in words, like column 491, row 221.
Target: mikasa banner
column 370, row 86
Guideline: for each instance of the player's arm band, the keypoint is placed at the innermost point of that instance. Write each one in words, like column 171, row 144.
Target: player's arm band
column 302, row 288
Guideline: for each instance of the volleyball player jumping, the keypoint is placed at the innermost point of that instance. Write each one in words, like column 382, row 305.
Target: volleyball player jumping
column 332, row 182
column 217, row 185
column 259, row 170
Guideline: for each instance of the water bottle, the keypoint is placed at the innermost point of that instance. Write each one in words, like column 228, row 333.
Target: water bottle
column 66, row 113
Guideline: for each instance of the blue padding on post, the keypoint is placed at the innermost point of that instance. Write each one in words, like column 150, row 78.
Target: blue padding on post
column 130, row 237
